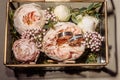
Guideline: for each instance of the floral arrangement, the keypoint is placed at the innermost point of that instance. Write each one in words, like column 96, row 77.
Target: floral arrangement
column 56, row 34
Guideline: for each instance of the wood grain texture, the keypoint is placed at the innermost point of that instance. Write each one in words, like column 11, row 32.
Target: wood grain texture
column 59, row 0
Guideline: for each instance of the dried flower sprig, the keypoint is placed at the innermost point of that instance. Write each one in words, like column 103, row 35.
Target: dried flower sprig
column 93, row 40
column 34, row 35
column 50, row 16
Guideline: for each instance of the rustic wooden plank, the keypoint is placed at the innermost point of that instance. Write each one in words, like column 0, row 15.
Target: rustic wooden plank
column 58, row 0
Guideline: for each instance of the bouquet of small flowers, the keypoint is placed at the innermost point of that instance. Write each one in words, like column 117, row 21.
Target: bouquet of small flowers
column 60, row 33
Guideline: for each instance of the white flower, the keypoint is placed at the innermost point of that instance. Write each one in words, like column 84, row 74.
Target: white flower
column 62, row 13
column 29, row 16
column 88, row 23
column 25, row 50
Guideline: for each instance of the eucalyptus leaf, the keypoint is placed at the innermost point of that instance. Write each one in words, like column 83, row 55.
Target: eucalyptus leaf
column 10, row 17
column 90, row 10
column 97, row 5
column 97, row 16
column 90, row 7
column 74, row 18
column 14, row 34
column 49, row 25
column 76, row 11
column 82, row 10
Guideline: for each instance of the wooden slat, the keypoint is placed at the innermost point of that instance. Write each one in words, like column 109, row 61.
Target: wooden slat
column 55, row 65
column 106, row 32
column 74, row 0
column 6, row 32
column 58, row 0
column 26, row 0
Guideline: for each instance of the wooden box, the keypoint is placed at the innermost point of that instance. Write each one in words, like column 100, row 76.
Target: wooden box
column 9, row 59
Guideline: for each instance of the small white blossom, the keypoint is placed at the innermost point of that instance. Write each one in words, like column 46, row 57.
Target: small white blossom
column 62, row 13
column 88, row 23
